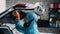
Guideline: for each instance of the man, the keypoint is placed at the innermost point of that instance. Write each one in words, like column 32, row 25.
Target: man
column 30, row 26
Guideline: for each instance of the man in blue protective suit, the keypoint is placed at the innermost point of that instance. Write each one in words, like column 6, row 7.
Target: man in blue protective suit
column 30, row 26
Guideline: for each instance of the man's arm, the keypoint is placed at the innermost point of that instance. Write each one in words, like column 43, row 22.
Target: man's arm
column 19, row 26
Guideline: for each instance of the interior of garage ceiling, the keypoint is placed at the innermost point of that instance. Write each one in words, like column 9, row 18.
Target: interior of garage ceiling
column 12, row 2
column 9, row 3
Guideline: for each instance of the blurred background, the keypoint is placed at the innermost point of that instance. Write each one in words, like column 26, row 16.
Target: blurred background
column 47, row 24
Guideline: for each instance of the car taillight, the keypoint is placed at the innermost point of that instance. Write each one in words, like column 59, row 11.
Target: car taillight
column 20, row 5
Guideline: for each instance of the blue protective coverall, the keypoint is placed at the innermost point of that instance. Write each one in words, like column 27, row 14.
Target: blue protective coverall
column 32, row 29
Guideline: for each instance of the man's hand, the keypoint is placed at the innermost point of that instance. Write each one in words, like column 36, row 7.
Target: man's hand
column 16, row 14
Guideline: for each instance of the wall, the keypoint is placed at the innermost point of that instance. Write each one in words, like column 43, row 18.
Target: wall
column 46, row 3
column 2, row 5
